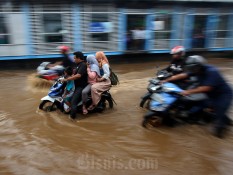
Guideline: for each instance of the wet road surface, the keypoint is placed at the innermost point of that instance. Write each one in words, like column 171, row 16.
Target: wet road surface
column 113, row 142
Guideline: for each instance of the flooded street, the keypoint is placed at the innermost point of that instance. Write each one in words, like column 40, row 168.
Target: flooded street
column 34, row 142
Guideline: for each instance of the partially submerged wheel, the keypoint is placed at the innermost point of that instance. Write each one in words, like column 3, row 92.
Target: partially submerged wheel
column 47, row 106
column 110, row 103
column 151, row 122
column 145, row 103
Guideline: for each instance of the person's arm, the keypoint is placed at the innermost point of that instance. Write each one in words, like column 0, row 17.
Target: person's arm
column 54, row 64
column 58, row 63
column 91, row 75
column 106, row 73
column 175, row 77
column 200, row 89
column 64, row 93
column 73, row 77
column 81, row 71
column 210, row 81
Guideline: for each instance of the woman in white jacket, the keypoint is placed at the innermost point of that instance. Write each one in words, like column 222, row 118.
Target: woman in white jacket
column 103, row 83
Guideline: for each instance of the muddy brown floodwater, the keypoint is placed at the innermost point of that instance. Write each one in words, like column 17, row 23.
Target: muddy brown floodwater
column 34, row 142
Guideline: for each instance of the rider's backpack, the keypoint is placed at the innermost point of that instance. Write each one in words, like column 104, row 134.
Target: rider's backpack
column 114, row 78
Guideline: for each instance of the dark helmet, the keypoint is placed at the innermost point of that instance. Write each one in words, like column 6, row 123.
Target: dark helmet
column 178, row 50
column 194, row 63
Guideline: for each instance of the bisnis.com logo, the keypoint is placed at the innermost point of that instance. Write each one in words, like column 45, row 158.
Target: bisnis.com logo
column 87, row 161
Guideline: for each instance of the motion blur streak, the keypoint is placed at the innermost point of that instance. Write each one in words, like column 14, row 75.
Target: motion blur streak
column 112, row 142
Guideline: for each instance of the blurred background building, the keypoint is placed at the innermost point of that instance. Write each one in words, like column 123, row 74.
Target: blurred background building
column 34, row 28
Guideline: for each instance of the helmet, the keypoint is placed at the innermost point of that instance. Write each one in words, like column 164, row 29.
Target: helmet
column 63, row 48
column 178, row 50
column 194, row 63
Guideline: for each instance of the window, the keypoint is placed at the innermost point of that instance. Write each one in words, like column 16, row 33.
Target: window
column 222, row 27
column 52, row 28
column 136, row 33
column 199, row 31
column 99, row 27
column 162, row 31
column 4, row 36
column 163, row 26
column 222, row 30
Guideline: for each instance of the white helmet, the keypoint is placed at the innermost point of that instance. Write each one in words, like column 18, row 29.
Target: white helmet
column 177, row 50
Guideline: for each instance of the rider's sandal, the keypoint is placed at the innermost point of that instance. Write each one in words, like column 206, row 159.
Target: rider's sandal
column 90, row 108
column 84, row 111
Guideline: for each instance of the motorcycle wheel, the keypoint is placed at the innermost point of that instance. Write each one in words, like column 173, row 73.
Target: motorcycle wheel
column 47, row 106
column 145, row 101
column 108, row 103
column 151, row 122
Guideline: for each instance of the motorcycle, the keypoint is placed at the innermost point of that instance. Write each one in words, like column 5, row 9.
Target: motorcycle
column 54, row 100
column 47, row 73
column 167, row 106
column 160, row 75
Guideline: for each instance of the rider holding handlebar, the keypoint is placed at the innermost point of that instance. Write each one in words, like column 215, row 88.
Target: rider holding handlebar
column 213, row 84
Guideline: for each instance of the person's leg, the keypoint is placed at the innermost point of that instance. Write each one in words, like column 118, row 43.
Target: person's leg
column 95, row 95
column 96, row 90
column 85, row 93
column 75, row 100
column 222, row 119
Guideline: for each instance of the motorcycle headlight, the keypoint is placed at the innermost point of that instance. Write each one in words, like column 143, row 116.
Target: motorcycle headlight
column 154, row 88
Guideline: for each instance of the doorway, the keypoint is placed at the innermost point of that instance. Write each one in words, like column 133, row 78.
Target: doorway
column 199, row 31
column 136, row 32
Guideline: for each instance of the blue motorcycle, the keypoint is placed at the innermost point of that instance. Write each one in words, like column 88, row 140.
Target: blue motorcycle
column 167, row 106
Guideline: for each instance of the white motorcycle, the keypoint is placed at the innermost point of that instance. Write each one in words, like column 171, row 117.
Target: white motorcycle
column 45, row 72
column 54, row 99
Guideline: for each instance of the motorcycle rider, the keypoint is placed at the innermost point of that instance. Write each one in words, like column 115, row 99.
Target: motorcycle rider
column 93, row 72
column 66, row 60
column 177, row 63
column 69, row 89
column 80, row 81
column 213, row 84
column 103, row 83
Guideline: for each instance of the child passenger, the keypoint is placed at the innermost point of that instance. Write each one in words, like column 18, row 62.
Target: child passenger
column 69, row 89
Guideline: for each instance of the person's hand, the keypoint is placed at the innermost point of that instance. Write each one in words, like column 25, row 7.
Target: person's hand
column 49, row 66
column 99, row 79
column 162, row 81
column 63, row 80
column 185, row 93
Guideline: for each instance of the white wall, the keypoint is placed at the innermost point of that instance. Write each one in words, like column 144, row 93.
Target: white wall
column 16, row 26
